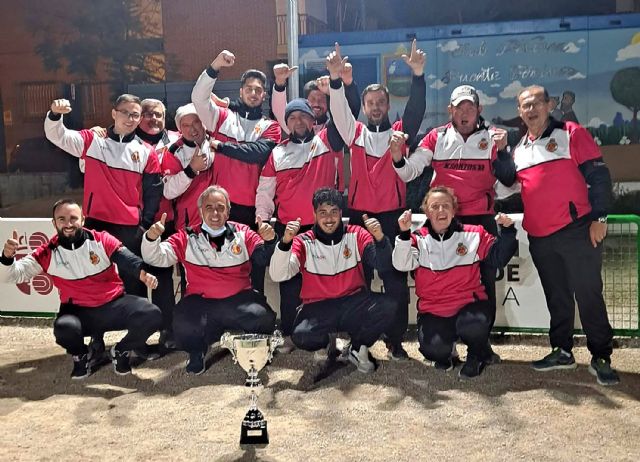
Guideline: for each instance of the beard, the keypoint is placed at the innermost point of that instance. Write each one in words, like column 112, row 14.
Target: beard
column 68, row 240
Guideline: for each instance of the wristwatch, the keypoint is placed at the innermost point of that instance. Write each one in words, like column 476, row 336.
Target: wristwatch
column 602, row 219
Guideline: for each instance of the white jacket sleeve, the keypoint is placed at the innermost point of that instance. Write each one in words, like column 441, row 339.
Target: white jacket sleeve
column 278, row 105
column 175, row 185
column 284, row 265
column 414, row 165
column 68, row 140
column 207, row 110
column 20, row 271
column 404, row 256
column 342, row 115
column 157, row 253
column 265, row 206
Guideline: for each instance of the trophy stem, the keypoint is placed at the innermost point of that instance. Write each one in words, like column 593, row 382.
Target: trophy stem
column 252, row 379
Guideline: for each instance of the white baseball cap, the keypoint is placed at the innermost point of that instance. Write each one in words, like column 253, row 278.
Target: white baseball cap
column 464, row 93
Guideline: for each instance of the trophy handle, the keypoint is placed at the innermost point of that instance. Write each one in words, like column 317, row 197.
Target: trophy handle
column 226, row 341
column 274, row 342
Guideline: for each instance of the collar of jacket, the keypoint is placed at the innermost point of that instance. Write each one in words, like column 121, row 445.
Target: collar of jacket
column 251, row 113
column 73, row 243
column 151, row 139
column 328, row 239
column 124, row 139
column 455, row 226
column 383, row 127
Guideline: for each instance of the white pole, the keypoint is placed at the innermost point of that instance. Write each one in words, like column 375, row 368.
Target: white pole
column 292, row 46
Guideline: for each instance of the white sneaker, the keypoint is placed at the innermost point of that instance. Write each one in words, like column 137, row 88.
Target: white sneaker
column 361, row 360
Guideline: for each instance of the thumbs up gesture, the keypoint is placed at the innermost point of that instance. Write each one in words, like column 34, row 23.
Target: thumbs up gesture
column 265, row 230
column 291, row 230
column 11, row 246
column 156, row 229
column 404, row 222
column 373, row 226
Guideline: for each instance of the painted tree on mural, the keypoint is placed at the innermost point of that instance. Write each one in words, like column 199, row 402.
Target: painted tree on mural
column 625, row 90
column 122, row 38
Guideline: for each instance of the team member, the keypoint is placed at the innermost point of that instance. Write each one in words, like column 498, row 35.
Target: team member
column 334, row 291
column 243, row 136
column 445, row 256
column 188, row 167
column 295, row 169
column 375, row 187
column 566, row 190
column 217, row 256
column 119, row 170
column 80, row 262
column 463, row 156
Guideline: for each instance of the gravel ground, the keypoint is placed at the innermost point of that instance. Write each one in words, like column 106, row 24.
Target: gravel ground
column 404, row 411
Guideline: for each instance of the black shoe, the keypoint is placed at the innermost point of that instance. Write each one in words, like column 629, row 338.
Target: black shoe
column 605, row 375
column 494, row 358
column 397, row 352
column 120, row 360
column 81, row 369
column 196, row 365
column 167, row 340
column 448, row 365
column 557, row 359
column 471, row 368
column 145, row 353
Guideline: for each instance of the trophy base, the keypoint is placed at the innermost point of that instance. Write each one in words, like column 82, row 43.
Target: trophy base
column 254, row 438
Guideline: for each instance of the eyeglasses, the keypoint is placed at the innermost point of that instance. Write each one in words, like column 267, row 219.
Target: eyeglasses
column 153, row 115
column 129, row 115
column 529, row 106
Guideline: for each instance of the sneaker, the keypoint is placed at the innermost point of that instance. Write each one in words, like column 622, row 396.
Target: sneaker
column 397, row 352
column 448, row 365
column 471, row 368
column 145, row 353
column 120, row 360
column 557, row 359
column 287, row 346
column 330, row 353
column 81, row 369
column 605, row 375
column 196, row 365
column 361, row 360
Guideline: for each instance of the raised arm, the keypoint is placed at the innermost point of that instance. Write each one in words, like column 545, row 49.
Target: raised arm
column 285, row 262
column 70, row 141
column 281, row 73
column 207, row 110
column 340, row 112
column 414, row 110
column 405, row 256
column 17, row 271
column 156, row 253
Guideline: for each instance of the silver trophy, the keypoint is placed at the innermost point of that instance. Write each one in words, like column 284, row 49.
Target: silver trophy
column 252, row 352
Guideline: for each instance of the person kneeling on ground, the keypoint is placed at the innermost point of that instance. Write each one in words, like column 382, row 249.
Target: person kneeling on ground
column 452, row 301
column 80, row 262
column 217, row 256
column 334, row 293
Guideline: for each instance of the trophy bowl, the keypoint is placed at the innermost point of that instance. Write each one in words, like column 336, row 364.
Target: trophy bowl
column 252, row 352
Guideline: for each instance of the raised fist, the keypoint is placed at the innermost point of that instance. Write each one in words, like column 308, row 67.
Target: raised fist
column 291, row 230
column 61, row 106
column 405, row 221
column 224, row 59
column 11, row 246
column 282, row 72
column 374, row 227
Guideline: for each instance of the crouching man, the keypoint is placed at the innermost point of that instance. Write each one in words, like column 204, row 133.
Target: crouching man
column 80, row 262
column 217, row 256
column 334, row 292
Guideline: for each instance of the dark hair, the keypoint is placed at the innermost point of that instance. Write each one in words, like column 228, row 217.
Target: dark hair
column 126, row 98
column 375, row 87
column 59, row 202
column 310, row 86
column 440, row 189
column 253, row 74
column 329, row 196
column 569, row 93
column 545, row 93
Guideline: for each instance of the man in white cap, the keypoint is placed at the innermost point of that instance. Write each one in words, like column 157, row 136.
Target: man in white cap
column 463, row 156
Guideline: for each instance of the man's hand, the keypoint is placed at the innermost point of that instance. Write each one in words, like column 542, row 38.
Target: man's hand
column 156, row 229
column 397, row 145
column 99, row 131
column 291, row 230
column 224, row 59
column 416, row 60
column 597, row 232
column 265, row 230
column 323, row 84
column 504, row 220
column 220, row 102
column 347, row 74
column 11, row 246
column 405, row 221
column 61, row 106
column 335, row 63
column 148, row 280
column 500, row 138
column 374, row 227
column 281, row 72
column 214, row 144
column 199, row 161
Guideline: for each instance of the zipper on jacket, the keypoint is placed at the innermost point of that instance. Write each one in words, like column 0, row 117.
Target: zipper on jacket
column 89, row 204
column 353, row 196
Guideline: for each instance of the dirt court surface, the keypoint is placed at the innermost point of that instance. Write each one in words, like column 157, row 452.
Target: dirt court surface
column 404, row 411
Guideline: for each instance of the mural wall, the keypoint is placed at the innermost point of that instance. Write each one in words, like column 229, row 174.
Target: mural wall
column 593, row 74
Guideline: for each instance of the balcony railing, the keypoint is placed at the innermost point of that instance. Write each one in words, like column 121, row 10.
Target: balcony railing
column 307, row 25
